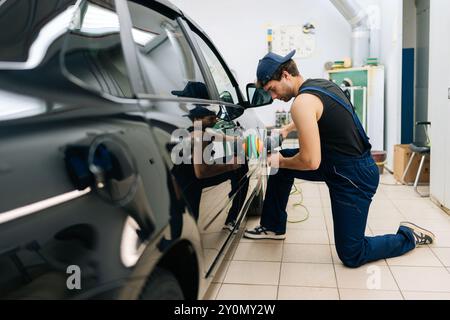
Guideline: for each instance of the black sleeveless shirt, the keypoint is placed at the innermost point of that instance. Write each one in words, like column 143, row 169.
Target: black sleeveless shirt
column 337, row 129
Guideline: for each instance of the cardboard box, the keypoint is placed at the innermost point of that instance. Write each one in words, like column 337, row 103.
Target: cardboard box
column 402, row 154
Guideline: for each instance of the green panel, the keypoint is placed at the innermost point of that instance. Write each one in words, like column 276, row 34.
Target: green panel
column 358, row 77
column 358, row 104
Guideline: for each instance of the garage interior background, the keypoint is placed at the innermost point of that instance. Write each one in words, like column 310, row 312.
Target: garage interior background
column 239, row 31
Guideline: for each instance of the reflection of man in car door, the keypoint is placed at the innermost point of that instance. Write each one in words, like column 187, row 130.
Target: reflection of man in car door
column 195, row 176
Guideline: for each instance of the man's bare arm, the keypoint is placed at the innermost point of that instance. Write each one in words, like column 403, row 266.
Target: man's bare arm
column 306, row 111
column 284, row 131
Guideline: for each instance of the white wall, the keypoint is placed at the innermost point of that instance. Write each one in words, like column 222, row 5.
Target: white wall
column 391, row 57
column 409, row 24
column 238, row 29
column 438, row 102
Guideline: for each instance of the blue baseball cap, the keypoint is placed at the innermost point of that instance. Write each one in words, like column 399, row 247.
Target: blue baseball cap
column 193, row 90
column 269, row 65
column 199, row 112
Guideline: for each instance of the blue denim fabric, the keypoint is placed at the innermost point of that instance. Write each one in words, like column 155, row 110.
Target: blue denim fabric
column 352, row 183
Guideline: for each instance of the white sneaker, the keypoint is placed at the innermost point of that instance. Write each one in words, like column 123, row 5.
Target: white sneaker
column 230, row 226
column 421, row 235
column 262, row 233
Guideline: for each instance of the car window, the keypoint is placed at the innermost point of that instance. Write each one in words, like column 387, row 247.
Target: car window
column 93, row 55
column 166, row 58
column 227, row 92
column 27, row 28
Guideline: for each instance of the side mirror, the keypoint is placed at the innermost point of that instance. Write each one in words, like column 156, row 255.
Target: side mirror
column 257, row 97
column 231, row 114
column 226, row 97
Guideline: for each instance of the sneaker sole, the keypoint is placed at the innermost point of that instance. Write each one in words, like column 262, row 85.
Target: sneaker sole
column 416, row 227
column 264, row 236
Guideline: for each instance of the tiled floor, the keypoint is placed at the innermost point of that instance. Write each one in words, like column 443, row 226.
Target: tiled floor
column 306, row 266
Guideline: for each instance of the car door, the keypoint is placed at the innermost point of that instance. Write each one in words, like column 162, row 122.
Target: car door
column 250, row 129
column 84, row 188
column 181, row 107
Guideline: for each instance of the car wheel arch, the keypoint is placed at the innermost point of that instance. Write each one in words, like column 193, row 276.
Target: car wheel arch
column 182, row 254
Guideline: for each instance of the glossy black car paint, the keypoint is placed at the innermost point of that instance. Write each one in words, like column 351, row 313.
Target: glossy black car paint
column 86, row 175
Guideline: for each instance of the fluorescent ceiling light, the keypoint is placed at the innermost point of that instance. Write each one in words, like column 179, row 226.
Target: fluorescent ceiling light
column 16, row 106
column 98, row 20
column 141, row 37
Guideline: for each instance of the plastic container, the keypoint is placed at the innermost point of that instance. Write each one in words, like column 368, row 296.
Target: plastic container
column 380, row 159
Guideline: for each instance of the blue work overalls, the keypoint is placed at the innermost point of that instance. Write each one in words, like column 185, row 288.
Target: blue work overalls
column 352, row 183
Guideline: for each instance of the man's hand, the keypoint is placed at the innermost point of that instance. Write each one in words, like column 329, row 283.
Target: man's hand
column 275, row 160
column 285, row 130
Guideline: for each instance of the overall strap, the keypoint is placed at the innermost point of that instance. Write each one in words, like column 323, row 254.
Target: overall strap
column 347, row 106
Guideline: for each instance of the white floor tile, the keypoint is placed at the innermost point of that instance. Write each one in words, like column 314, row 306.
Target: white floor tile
column 402, row 193
column 385, row 213
column 247, row 292
column 269, row 241
column 326, row 202
column 308, row 190
column 410, row 295
column 431, row 279
column 307, row 253
column 327, row 212
column 307, row 293
column 313, row 211
column 420, row 257
column 413, row 204
column 385, row 223
column 360, row 294
column 387, row 178
column 307, row 275
column 443, row 255
column 442, row 239
column 306, row 236
column 434, row 224
column 246, row 272
column 311, row 222
column 383, row 204
column 418, row 208
column 370, row 277
column 254, row 251
column 380, row 195
column 330, row 232
column 306, row 201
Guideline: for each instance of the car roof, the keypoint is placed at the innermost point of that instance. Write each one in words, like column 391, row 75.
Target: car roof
column 29, row 19
column 169, row 5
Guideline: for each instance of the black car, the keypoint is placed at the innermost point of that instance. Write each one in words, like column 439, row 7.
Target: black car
column 99, row 102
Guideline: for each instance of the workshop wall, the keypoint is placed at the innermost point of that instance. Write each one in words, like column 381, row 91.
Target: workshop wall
column 438, row 102
column 391, row 57
column 238, row 29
